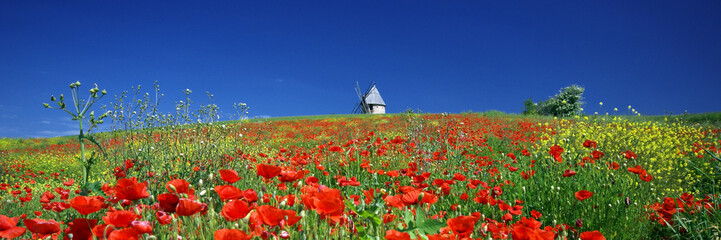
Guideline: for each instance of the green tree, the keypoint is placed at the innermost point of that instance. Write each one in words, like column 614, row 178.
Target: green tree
column 567, row 102
column 530, row 108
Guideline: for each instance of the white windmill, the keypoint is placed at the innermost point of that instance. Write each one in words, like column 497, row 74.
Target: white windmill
column 370, row 100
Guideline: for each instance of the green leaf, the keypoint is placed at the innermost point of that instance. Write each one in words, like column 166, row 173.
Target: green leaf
column 422, row 226
column 375, row 220
column 430, row 226
column 408, row 217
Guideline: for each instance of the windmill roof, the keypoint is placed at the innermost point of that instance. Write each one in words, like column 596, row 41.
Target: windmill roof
column 374, row 97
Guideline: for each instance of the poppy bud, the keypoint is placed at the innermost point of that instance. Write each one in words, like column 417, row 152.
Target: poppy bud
column 46, row 105
column 172, row 187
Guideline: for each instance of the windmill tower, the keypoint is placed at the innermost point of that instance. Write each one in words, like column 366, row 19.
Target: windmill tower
column 370, row 100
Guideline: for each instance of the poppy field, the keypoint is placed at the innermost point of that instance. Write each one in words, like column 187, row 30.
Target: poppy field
column 401, row 176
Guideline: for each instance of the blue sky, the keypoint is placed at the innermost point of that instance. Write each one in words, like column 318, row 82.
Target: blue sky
column 288, row 58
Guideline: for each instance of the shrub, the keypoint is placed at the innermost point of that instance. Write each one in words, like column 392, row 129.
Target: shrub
column 566, row 103
column 530, row 108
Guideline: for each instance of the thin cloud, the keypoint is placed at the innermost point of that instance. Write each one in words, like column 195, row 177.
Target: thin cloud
column 50, row 133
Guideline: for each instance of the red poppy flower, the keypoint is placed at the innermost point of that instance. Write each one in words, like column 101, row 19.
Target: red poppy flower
column 120, row 218
column 270, row 215
column 556, row 152
column 47, row 197
column 516, row 210
column 330, row 207
column 388, row 218
column 583, row 195
column 645, row 176
column 568, row 173
column 292, row 176
column 507, row 217
column 595, row 235
column 335, row 149
column 231, row 234
column 528, row 174
column 613, row 165
column 229, row 175
column 589, row 144
column 637, row 169
column 103, row 230
column 235, row 209
column 168, row 202
column 87, row 205
column 523, row 232
column 81, row 228
column 142, row 227
column 512, row 156
column 187, row 207
column 42, row 226
column 396, row 235
column 130, row 189
column 227, row 192
column 268, row 171
column 410, row 197
column 124, row 234
column 393, row 173
column 69, row 182
column 177, row 186
column 250, row 195
column 292, row 217
column 163, row 217
column 535, row 214
column 462, row 225
column 629, row 155
column 393, row 201
column 9, row 228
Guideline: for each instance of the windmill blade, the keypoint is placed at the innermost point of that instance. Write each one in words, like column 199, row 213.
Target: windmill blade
column 368, row 90
column 355, row 109
column 366, row 107
column 357, row 91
